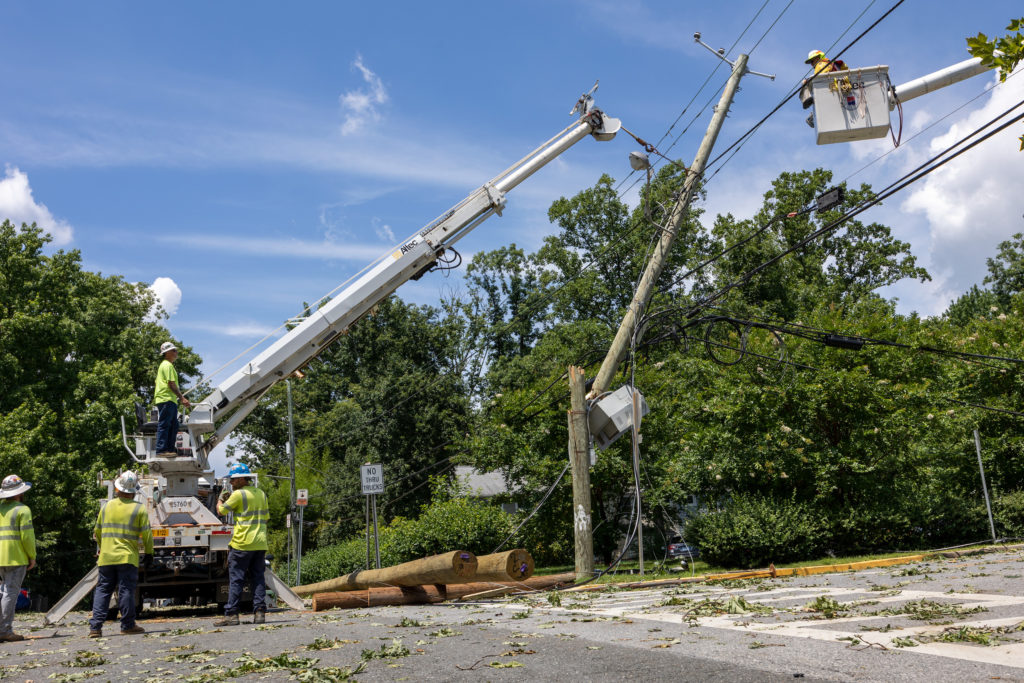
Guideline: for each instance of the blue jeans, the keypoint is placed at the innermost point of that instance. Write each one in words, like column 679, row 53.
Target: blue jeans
column 166, row 426
column 10, row 589
column 124, row 577
column 246, row 565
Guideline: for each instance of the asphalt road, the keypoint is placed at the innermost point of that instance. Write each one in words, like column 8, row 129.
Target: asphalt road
column 953, row 619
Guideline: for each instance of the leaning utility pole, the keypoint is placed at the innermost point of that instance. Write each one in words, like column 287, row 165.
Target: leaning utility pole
column 579, row 463
column 657, row 263
column 627, row 329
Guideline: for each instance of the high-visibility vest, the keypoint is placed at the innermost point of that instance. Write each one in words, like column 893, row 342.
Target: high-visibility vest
column 251, row 511
column 17, row 538
column 120, row 526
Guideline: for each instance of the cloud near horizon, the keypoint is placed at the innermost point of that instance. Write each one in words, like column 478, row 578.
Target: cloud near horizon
column 18, row 205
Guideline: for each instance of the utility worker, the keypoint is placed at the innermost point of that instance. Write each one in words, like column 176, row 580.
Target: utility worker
column 821, row 64
column 248, row 548
column 17, row 550
column 121, row 526
column 166, row 399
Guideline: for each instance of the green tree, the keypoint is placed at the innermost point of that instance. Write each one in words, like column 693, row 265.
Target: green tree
column 76, row 350
column 1004, row 53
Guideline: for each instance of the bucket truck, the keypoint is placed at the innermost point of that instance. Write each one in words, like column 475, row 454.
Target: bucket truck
column 179, row 491
column 854, row 104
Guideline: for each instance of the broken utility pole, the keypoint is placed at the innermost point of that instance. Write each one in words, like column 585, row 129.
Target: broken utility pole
column 628, row 328
column 579, row 463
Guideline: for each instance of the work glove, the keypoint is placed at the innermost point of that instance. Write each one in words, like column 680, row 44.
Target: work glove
column 224, row 495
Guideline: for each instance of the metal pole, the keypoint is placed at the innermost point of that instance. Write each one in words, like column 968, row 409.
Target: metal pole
column 298, row 548
column 636, row 472
column 984, row 487
column 367, row 531
column 654, row 267
column 288, row 520
column 292, row 544
column 579, row 463
column 376, row 536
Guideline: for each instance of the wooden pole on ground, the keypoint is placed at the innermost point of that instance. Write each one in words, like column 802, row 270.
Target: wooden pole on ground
column 457, row 566
column 511, row 565
column 423, row 595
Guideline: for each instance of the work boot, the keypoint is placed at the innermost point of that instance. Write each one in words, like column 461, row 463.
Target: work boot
column 132, row 630
column 96, row 633
column 228, row 620
column 11, row 637
column 260, row 617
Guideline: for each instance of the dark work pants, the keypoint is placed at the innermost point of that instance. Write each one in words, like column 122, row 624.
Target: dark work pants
column 246, row 565
column 124, row 577
column 166, row 427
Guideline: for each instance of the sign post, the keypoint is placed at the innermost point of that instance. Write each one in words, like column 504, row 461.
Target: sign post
column 301, row 501
column 372, row 476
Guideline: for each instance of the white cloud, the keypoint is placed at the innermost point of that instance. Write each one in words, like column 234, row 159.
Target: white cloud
column 18, row 205
column 270, row 247
column 168, row 295
column 969, row 205
column 384, row 231
column 360, row 105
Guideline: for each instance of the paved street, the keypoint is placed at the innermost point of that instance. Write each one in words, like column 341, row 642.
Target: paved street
column 949, row 619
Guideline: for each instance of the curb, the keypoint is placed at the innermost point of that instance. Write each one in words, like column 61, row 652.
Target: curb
column 772, row 572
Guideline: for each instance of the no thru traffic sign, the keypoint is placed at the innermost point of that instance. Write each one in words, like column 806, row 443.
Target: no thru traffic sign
column 373, row 478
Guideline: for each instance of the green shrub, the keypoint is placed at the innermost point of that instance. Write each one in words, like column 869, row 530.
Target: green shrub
column 1008, row 510
column 751, row 531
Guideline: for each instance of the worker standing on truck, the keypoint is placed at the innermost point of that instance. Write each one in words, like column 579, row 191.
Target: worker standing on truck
column 17, row 550
column 248, row 548
column 166, row 399
column 122, row 524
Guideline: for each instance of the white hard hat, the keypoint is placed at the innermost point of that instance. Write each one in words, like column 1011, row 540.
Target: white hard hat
column 13, row 486
column 167, row 346
column 814, row 54
column 127, row 482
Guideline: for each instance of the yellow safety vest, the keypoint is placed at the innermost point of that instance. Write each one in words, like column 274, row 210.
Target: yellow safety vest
column 17, row 538
column 251, row 510
column 120, row 526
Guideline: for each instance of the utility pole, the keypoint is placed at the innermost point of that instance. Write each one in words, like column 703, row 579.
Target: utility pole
column 984, row 487
column 579, row 462
column 292, row 542
column 641, row 298
column 657, row 263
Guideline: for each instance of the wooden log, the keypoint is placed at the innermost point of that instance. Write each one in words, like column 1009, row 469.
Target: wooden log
column 512, row 565
column 423, row 595
column 457, row 566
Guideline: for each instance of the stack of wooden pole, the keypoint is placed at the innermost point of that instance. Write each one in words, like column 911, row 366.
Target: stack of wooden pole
column 450, row 576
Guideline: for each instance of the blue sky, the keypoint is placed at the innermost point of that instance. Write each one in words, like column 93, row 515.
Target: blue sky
column 246, row 157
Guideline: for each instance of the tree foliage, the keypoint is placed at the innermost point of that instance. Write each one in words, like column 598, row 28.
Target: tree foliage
column 1003, row 53
column 76, row 350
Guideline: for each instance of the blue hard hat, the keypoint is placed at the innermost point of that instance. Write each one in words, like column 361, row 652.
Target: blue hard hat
column 238, row 471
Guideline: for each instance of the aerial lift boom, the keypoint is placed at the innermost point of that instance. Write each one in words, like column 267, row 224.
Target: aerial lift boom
column 190, row 540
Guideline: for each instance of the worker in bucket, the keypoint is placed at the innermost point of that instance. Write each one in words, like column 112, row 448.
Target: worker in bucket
column 121, row 526
column 248, row 548
column 17, row 550
column 821, row 64
column 166, row 399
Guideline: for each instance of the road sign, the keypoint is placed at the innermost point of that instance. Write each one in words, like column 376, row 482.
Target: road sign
column 373, row 478
column 302, row 497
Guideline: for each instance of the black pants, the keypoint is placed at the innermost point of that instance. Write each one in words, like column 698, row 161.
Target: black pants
column 246, row 565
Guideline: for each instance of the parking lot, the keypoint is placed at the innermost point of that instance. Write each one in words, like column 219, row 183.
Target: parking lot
column 950, row 618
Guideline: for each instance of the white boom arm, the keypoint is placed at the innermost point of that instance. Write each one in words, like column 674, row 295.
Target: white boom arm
column 239, row 393
column 940, row 79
